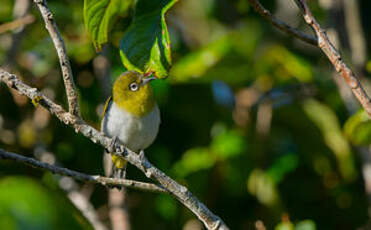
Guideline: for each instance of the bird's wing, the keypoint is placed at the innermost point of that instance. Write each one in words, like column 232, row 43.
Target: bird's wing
column 107, row 106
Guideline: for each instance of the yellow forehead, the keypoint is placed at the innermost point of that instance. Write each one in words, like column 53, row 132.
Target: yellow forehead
column 127, row 78
column 139, row 102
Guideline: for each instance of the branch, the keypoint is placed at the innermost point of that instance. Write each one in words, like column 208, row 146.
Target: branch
column 259, row 8
column 323, row 43
column 105, row 181
column 180, row 192
column 333, row 55
column 86, row 208
column 20, row 9
column 355, row 33
column 56, row 36
column 19, row 22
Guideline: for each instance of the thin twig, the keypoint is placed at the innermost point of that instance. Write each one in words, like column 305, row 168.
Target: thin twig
column 20, row 9
column 118, row 209
column 82, row 203
column 259, row 8
column 355, row 32
column 180, row 192
column 56, row 36
column 333, row 55
column 324, row 44
column 28, row 19
column 105, row 181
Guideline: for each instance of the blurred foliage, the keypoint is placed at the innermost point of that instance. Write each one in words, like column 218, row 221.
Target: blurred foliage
column 234, row 130
column 358, row 128
column 302, row 225
column 25, row 204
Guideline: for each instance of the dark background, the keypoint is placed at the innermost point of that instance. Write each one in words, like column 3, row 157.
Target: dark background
column 255, row 123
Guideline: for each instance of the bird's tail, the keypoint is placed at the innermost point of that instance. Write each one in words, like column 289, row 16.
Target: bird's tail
column 114, row 166
column 118, row 167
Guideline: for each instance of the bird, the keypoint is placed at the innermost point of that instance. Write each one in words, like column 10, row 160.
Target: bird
column 130, row 116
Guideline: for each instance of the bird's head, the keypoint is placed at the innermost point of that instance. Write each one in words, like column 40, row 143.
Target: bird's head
column 132, row 93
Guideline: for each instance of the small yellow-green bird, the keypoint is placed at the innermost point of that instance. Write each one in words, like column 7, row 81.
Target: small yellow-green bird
column 130, row 116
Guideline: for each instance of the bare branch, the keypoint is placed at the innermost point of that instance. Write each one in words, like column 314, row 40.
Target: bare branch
column 323, row 43
column 180, row 192
column 259, row 8
column 118, row 209
column 355, row 32
column 82, row 203
column 28, row 19
column 105, row 181
column 20, row 9
column 333, row 55
column 51, row 26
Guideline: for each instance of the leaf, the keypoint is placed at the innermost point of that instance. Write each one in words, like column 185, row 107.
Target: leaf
column 285, row 64
column 145, row 46
column 27, row 204
column 99, row 16
column 195, row 64
column 305, row 225
column 261, row 185
column 358, row 128
column 327, row 122
column 287, row 225
column 194, row 160
column 225, row 58
column 228, row 144
column 284, row 165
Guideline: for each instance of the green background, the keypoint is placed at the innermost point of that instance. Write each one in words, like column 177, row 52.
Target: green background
column 252, row 122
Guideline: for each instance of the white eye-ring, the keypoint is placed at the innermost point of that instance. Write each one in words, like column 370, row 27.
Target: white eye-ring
column 133, row 86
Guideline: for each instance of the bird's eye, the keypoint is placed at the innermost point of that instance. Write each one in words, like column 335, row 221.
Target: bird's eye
column 133, row 86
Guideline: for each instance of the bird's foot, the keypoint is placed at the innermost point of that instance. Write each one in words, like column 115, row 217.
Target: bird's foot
column 142, row 156
column 144, row 161
column 112, row 147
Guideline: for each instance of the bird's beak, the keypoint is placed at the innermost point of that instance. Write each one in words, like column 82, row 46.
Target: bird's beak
column 147, row 80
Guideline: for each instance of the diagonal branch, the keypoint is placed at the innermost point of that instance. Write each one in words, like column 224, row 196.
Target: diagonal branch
column 323, row 42
column 105, row 181
column 259, row 8
column 25, row 20
column 180, row 192
column 56, row 36
column 333, row 55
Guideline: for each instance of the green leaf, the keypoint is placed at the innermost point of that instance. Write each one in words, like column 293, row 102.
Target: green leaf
column 284, row 64
column 99, row 16
column 358, row 128
column 285, row 226
column 284, row 165
column 27, row 204
column 195, row 64
column 261, row 185
column 194, row 160
column 305, row 225
column 327, row 122
column 145, row 46
column 228, row 144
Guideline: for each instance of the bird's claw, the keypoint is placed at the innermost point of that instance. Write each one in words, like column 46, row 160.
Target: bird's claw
column 112, row 146
column 143, row 160
column 141, row 155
